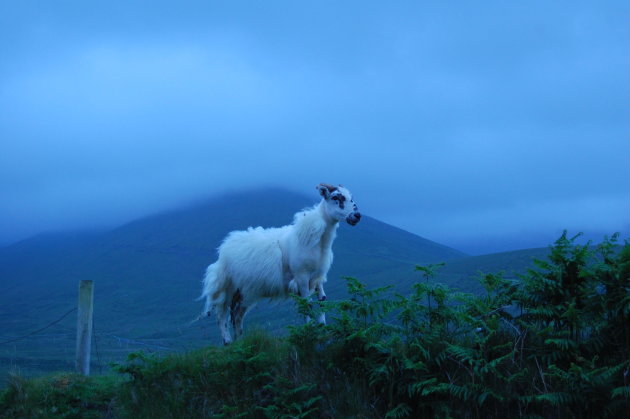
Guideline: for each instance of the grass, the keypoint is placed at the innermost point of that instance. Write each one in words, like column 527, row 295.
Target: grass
column 201, row 383
column 62, row 395
column 194, row 384
column 257, row 376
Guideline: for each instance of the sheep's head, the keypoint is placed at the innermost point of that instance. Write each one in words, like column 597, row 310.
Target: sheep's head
column 339, row 204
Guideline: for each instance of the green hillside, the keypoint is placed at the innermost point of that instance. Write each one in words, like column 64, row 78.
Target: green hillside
column 147, row 276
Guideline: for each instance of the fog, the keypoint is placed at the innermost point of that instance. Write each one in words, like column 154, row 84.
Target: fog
column 485, row 127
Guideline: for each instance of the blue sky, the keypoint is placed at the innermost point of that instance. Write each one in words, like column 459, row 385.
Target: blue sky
column 482, row 125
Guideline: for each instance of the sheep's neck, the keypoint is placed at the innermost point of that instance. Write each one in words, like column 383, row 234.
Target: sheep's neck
column 330, row 232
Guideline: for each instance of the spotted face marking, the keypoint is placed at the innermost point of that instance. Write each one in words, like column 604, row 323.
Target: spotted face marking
column 339, row 203
column 339, row 199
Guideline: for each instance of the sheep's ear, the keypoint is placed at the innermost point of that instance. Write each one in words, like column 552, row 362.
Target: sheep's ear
column 325, row 189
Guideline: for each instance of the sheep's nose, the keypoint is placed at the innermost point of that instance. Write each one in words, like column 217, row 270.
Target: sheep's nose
column 354, row 218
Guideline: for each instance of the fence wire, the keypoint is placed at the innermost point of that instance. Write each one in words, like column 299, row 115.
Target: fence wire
column 52, row 347
column 38, row 330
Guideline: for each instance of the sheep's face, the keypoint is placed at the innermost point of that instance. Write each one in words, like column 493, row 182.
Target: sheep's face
column 338, row 203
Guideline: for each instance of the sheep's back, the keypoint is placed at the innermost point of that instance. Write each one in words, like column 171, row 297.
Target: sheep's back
column 252, row 259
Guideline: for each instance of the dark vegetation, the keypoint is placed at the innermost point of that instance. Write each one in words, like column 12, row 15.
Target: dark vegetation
column 554, row 343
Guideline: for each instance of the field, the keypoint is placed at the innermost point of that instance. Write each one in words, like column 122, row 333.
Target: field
column 553, row 344
column 145, row 326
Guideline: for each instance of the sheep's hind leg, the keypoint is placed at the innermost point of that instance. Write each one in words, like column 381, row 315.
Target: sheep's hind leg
column 223, row 318
column 237, row 310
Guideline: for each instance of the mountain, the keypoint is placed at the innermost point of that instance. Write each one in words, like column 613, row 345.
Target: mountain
column 147, row 274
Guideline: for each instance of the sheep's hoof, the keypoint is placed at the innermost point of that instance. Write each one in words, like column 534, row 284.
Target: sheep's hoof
column 322, row 298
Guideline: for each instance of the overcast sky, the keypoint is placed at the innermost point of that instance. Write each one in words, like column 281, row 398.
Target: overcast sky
column 481, row 125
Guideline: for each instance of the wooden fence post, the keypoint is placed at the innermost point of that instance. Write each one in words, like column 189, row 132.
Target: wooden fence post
column 84, row 326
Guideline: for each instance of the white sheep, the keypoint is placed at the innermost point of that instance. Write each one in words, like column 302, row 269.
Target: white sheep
column 275, row 262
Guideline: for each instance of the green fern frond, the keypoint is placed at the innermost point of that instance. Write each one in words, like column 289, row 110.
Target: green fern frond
column 402, row 410
column 621, row 392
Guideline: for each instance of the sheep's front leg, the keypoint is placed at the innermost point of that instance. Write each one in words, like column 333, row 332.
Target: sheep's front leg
column 302, row 284
column 321, row 296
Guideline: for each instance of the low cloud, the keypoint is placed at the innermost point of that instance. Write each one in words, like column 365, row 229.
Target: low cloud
column 453, row 124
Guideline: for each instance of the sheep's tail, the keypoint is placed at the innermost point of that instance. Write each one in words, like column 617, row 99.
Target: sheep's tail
column 212, row 289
